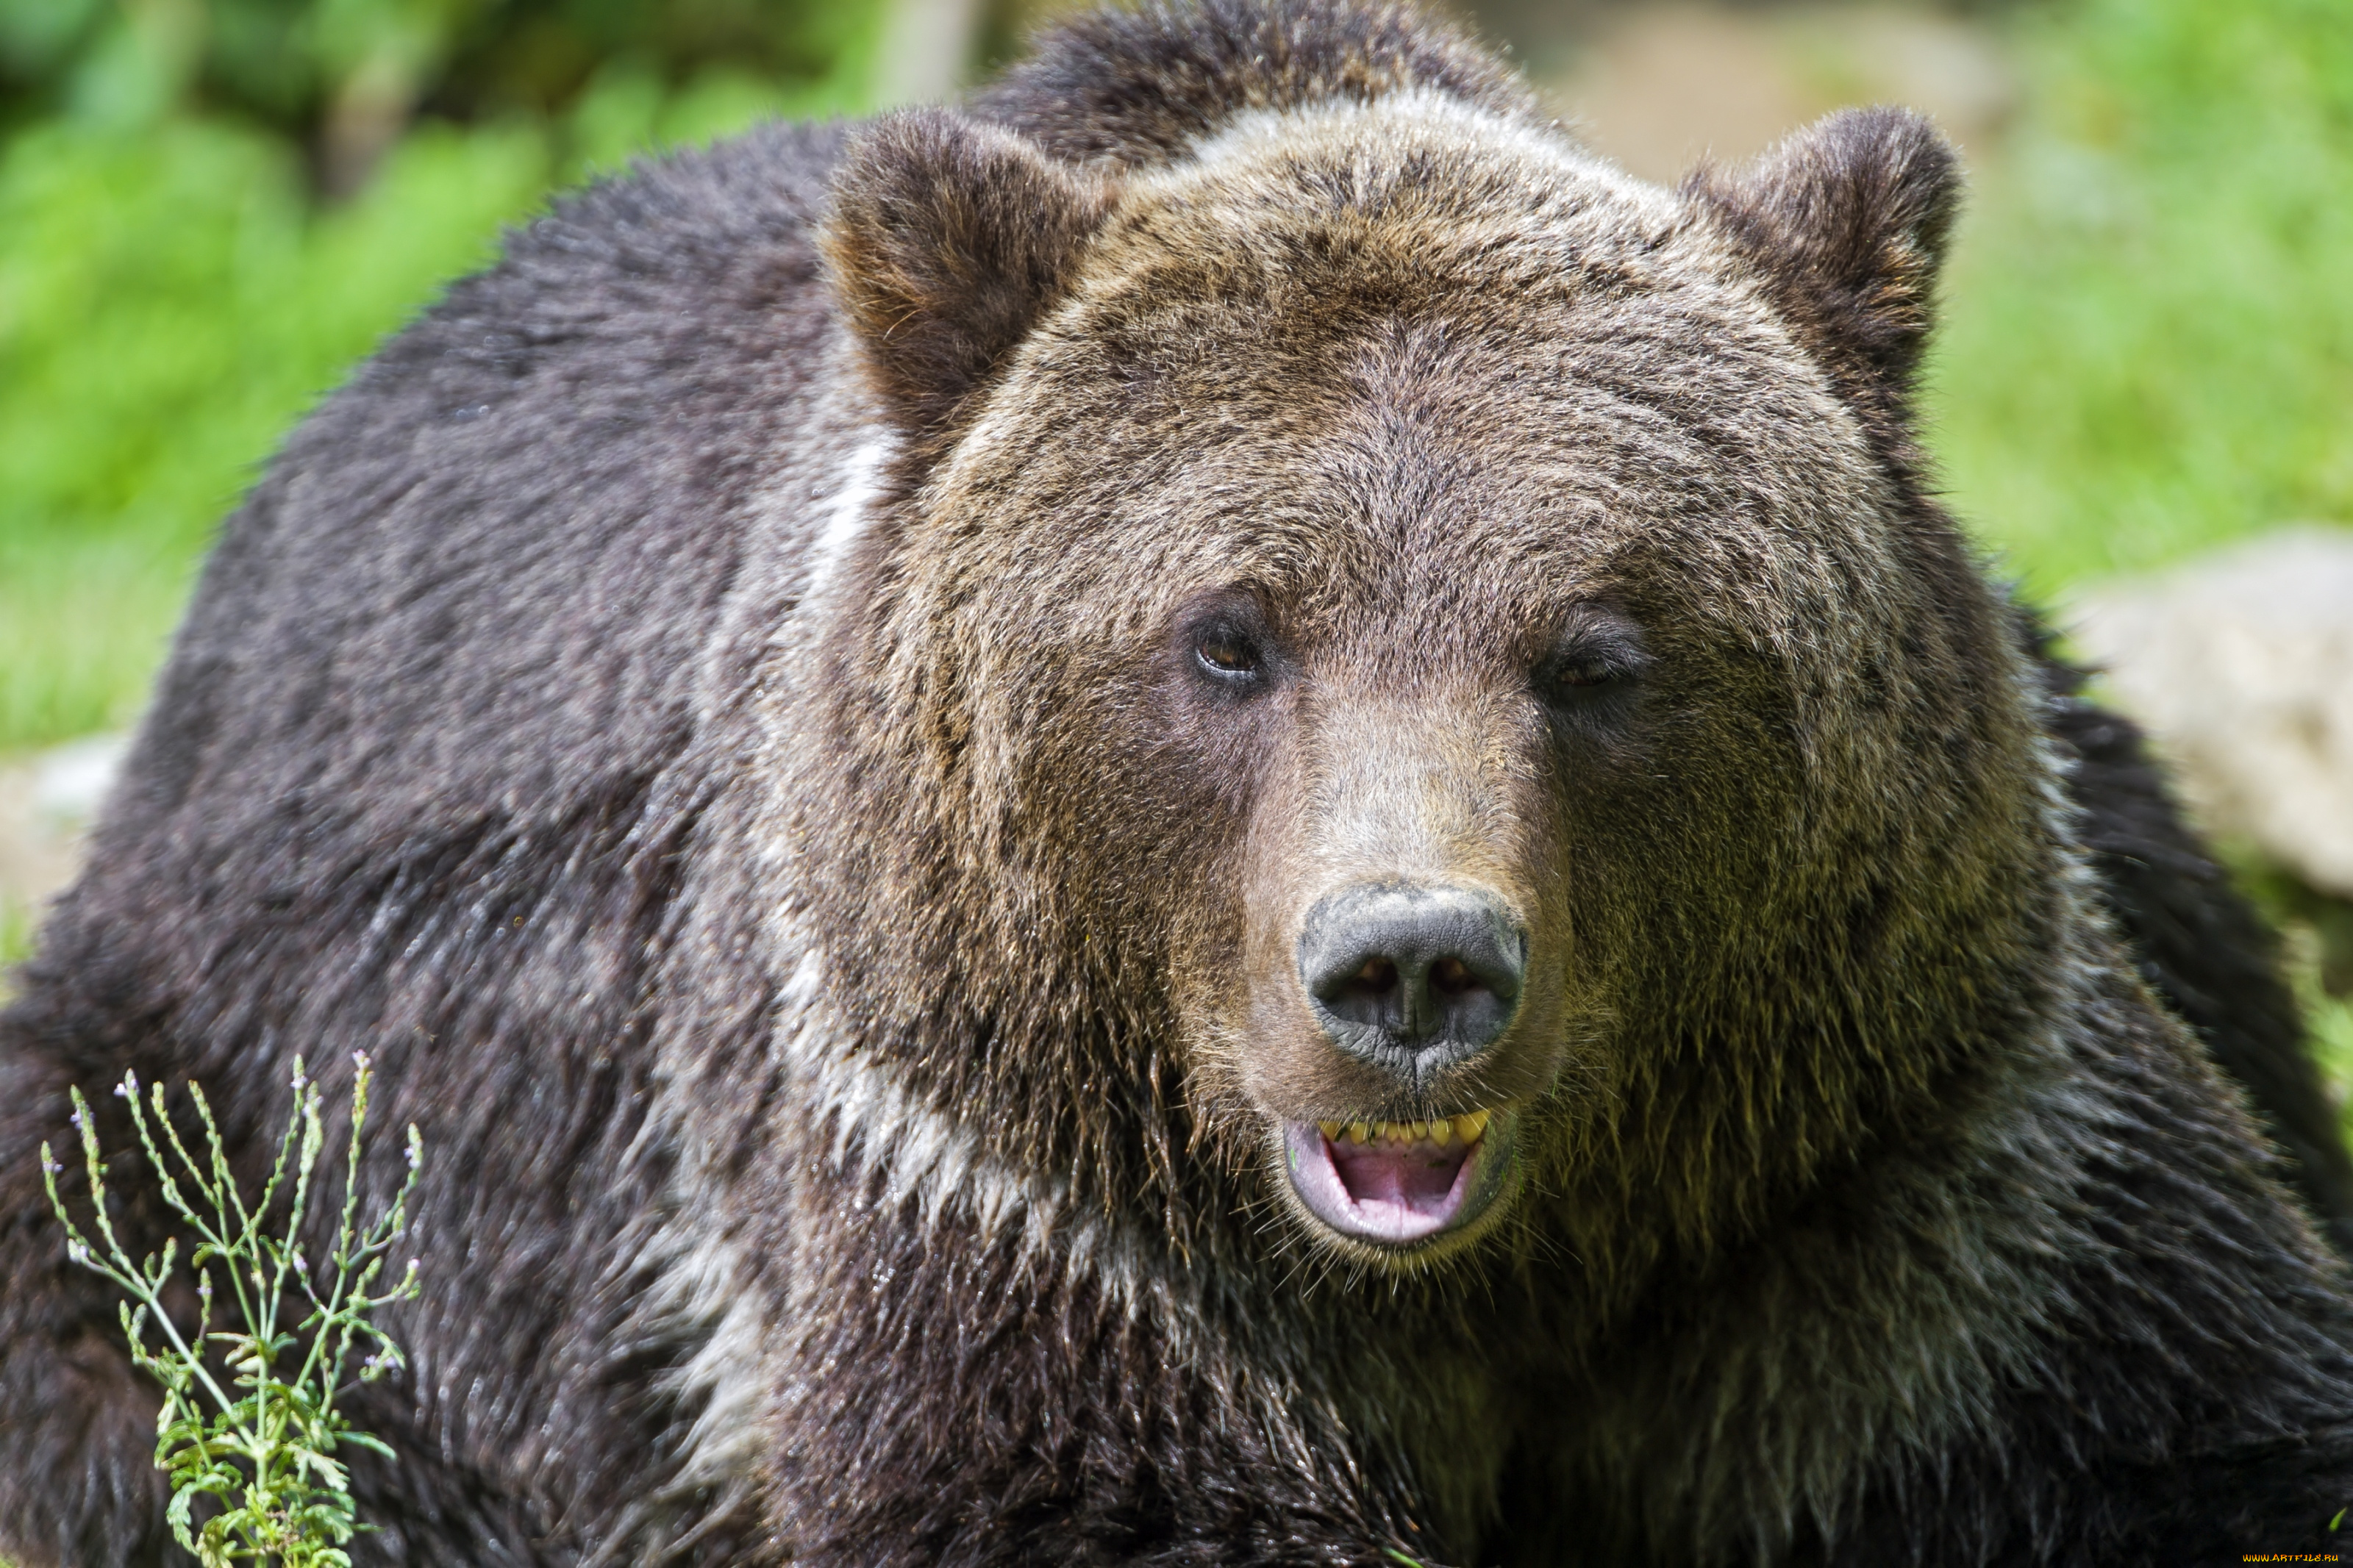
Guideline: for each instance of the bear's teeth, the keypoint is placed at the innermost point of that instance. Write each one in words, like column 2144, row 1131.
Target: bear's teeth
column 1441, row 1130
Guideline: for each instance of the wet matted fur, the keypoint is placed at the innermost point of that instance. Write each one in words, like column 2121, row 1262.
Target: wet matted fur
column 802, row 718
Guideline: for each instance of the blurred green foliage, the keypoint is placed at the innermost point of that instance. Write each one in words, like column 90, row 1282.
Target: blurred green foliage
column 178, row 278
column 15, row 944
column 295, row 67
column 2148, row 345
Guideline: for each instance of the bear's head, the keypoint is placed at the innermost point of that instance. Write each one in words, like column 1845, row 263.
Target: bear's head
column 1409, row 677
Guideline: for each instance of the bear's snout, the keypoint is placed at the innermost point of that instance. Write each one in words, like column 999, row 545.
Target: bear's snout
column 1412, row 979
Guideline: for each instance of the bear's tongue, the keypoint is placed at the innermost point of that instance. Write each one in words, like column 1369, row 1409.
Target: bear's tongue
column 1387, row 1190
column 1416, row 1178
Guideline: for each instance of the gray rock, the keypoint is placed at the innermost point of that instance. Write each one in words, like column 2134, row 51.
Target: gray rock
column 70, row 782
column 2241, row 664
column 46, row 800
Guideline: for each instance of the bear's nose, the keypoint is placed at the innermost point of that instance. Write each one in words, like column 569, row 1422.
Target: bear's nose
column 1412, row 979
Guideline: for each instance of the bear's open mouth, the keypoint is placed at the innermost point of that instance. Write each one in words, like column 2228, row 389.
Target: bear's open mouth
column 1395, row 1183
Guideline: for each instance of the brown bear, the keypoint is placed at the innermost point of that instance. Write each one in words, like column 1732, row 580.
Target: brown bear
column 1224, row 812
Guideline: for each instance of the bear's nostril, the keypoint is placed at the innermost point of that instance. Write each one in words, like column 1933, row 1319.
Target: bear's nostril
column 1452, row 977
column 1412, row 978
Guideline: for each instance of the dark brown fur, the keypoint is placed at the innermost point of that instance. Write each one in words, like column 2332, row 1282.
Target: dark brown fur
column 717, row 709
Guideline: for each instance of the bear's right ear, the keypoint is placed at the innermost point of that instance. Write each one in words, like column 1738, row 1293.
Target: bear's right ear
column 948, row 241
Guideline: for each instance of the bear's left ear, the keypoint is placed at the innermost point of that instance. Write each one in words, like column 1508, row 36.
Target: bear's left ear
column 1846, row 223
column 947, row 242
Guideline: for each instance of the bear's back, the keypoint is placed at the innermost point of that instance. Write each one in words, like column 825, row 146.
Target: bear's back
column 478, row 579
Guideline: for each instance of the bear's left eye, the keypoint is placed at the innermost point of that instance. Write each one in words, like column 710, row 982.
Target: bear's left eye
column 1227, row 655
column 1581, row 674
column 1593, row 667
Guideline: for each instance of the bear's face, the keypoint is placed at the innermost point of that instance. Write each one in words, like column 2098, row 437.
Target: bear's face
column 1414, row 588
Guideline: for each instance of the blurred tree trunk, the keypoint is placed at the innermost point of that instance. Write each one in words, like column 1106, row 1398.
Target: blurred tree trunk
column 366, row 116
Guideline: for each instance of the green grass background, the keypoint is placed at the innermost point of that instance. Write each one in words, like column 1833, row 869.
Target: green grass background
column 2148, row 341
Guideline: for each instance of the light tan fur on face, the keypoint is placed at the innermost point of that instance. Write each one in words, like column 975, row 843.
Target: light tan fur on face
column 1428, row 786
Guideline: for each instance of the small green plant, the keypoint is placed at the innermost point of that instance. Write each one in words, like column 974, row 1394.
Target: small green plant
column 265, row 1453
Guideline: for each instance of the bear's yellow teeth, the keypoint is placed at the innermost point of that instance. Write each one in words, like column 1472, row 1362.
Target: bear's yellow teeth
column 1442, row 1132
